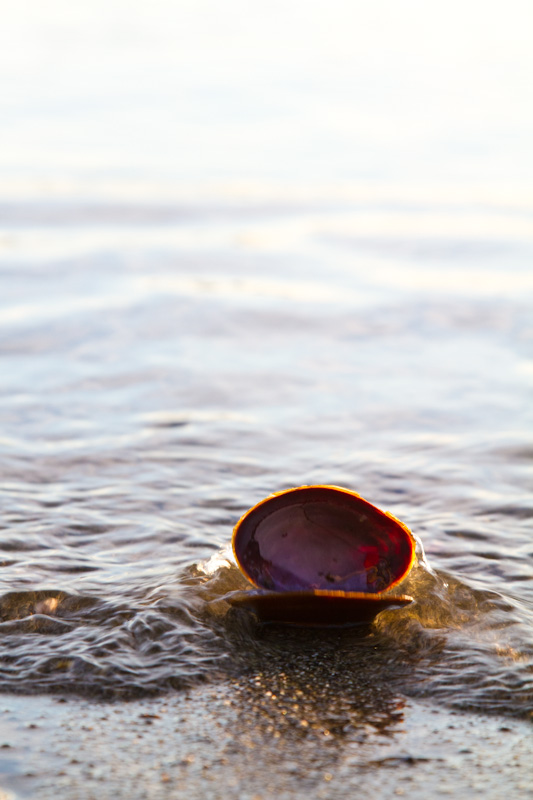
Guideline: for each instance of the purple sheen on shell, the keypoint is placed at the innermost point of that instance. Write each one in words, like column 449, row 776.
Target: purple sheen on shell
column 322, row 538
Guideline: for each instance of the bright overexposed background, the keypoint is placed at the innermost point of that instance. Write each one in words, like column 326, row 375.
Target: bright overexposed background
column 183, row 96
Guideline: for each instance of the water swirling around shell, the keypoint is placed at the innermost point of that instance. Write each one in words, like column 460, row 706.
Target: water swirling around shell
column 455, row 645
column 465, row 647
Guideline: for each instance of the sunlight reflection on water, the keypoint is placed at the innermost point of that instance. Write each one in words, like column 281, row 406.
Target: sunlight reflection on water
column 219, row 282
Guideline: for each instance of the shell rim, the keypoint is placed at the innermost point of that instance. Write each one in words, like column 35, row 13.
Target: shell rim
column 240, row 595
column 341, row 489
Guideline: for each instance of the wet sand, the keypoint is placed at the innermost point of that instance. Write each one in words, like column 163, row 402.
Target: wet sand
column 243, row 249
column 204, row 744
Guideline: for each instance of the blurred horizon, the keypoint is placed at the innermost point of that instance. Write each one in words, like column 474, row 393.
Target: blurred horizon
column 191, row 100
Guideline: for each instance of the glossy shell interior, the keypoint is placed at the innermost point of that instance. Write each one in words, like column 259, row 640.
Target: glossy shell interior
column 322, row 538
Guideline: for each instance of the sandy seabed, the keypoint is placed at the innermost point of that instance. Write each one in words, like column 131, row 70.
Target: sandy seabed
column 195, row 745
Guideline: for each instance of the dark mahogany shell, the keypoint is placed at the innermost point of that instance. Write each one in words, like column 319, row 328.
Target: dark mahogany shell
column 317, row 607
column 322, row 537
column 321, row 555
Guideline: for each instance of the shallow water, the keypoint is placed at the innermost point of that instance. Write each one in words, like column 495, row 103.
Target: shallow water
column 151, row 397
column 170, row 356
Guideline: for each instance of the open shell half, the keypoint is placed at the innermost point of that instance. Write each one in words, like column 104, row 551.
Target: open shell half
column 321, row 555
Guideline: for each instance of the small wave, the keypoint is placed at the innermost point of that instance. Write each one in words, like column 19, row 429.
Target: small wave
column 468, row 648
column 59, row 642
column 471, row 649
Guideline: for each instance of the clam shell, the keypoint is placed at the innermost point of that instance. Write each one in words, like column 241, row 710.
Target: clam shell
column 321, row 555
column 317, row 608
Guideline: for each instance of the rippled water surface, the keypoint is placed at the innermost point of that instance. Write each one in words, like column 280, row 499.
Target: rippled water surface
column 155, row 387
column 170, row 358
